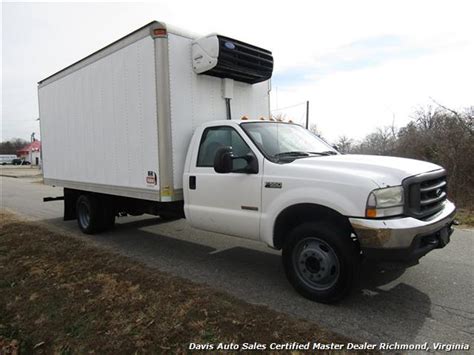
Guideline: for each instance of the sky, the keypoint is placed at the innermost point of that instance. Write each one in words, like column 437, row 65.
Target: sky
column 361, row 64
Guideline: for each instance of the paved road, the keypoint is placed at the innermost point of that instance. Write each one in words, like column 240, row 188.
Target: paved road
column 431, row 302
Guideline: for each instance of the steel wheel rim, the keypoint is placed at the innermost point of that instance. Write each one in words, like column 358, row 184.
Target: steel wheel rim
column 84, row 215
column 316, row 263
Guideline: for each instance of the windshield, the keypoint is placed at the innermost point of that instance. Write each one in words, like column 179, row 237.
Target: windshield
column 280, row 141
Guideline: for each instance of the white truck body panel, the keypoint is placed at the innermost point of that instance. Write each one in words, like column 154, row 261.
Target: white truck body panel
column 130, row 109
column 98, row 124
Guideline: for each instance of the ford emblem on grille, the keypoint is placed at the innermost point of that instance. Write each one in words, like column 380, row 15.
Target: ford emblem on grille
column 229, row 45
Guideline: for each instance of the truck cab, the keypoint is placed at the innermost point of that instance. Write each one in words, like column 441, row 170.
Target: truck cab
column 280, row 184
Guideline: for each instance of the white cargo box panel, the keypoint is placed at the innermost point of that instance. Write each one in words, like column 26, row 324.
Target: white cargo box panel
column 99, row 126
column 120, row 120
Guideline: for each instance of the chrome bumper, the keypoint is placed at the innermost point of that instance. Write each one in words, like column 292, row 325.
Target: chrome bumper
column 402, row 235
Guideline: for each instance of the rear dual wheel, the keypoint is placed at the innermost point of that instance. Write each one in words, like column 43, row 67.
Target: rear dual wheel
column 94, row 214
column 321, row 262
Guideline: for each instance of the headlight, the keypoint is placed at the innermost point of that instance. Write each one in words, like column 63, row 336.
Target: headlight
column 385, row 202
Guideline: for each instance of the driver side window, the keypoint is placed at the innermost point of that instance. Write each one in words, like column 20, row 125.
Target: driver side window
column 214, row 138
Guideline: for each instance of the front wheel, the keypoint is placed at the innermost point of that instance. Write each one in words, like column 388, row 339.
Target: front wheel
column 321, row 262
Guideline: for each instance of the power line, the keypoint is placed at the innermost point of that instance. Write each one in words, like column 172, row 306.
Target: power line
column 284, row 108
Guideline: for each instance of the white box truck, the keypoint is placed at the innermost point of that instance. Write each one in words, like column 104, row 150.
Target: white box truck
column 152, row 124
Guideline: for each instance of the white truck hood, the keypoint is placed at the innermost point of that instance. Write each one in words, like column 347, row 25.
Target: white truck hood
column 384, row 171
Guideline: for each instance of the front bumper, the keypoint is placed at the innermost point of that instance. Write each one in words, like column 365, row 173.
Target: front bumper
column 404, row 239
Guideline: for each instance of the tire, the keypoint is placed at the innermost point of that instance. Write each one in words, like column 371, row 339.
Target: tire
column 89, row 214
column 321, row 262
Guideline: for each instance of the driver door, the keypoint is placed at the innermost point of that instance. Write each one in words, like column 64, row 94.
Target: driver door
column 224, row 203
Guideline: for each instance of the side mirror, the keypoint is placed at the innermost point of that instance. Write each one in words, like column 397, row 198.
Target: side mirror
column 252, row 164
column 223, row 162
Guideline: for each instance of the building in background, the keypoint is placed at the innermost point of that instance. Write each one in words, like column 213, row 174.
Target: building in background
column 31, row 153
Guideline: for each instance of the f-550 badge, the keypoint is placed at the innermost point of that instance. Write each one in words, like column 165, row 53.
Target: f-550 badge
column 273, row 185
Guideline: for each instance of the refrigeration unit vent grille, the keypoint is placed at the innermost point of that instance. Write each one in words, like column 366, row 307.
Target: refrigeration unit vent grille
column 225, row 57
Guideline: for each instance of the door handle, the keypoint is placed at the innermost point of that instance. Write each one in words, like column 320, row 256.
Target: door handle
column 192, row 183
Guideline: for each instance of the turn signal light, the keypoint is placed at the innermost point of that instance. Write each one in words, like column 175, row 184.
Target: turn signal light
column 371, row 212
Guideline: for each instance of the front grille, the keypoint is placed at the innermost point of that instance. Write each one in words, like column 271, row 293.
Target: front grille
column 425, row 193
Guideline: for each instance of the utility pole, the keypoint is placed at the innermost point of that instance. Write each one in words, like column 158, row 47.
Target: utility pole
column 307, row 114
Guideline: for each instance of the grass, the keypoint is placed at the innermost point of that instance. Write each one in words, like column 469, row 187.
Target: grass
column 59, row 295
column 465, row 217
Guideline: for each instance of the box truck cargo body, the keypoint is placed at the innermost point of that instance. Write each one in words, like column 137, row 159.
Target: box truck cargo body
column 120, row 120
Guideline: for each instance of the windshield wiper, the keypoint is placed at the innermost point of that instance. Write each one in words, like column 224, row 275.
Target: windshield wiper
column 301, row 154
column 292, row 154
column 326, row 152
column 305, row 154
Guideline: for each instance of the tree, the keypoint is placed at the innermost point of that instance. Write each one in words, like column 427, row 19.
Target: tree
column 381, row 142
column 344, row 144
column 439, row 135
column 12, row 145
column 314, row 129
